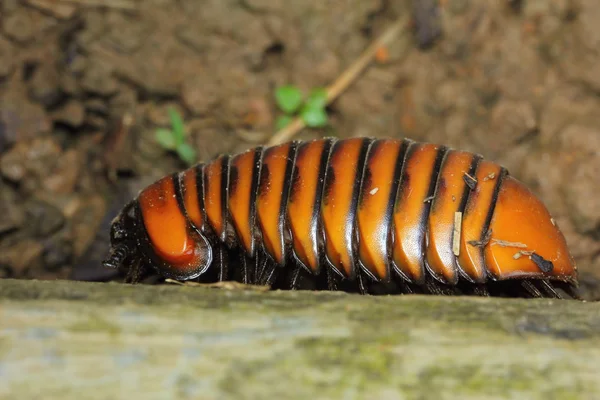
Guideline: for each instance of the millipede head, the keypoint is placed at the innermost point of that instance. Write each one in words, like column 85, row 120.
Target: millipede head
column 153, row 230
column 123, row 250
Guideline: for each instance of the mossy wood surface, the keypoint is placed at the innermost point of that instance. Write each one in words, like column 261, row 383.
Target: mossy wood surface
column 70, row 340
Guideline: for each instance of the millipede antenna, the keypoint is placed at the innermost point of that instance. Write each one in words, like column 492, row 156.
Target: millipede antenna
column 117, row 256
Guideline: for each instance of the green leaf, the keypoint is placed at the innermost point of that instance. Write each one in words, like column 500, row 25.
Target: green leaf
column 283, row 121
column 317, row 98
column 314, row 117
column 177, row 125
column 165, row 138
column 289, row 98
column 186, row 153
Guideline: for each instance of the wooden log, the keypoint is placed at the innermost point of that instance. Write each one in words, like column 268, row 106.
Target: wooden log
column 73, row 340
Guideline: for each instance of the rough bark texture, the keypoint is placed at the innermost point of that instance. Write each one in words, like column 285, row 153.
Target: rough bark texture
column 73, row 340
column 84, row 88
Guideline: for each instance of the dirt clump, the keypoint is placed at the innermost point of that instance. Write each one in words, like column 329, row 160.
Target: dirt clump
column 83, row 89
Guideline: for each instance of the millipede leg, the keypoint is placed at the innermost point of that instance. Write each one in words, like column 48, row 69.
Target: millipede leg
column 135, row 272
column 569, row 290
column 481, row 290
column 531, row 289
column 253, row 271
column 548, row 289
column 294, row 278
column 331, row 279
column 433, row 287
column 403, row 286
column 248, row 275
column 361, row 283
column 269, row 275
column 245, row 272
column 222, row 264
column 257, row 268
column 262, row 271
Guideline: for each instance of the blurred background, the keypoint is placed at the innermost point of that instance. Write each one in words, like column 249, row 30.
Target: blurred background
column 90, row 91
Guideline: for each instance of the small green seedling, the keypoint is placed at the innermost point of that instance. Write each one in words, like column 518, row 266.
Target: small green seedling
column 174, row 139
column 291, row 101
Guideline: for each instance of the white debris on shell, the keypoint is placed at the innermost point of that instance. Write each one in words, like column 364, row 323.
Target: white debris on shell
column 521, row 253
column 456, row 233
column 374, row 190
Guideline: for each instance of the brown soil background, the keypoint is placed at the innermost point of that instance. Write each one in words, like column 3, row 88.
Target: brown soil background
column 83, row 88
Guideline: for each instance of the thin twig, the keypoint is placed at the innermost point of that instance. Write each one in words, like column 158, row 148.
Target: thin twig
column 471, row 181
column 483, row 242
column 61, row 11
column 120, row 4
column 346, row 78
column 504, row 243
column 226, row 285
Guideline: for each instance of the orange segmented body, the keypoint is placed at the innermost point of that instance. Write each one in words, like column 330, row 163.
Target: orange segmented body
column 338, row 206
column 451, row 195
column 243, row 181
column 304, row 203
column 360, row 214
column 374, row 218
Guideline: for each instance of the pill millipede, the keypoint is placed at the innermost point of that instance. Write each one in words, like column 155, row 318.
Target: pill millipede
column 365, row 215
